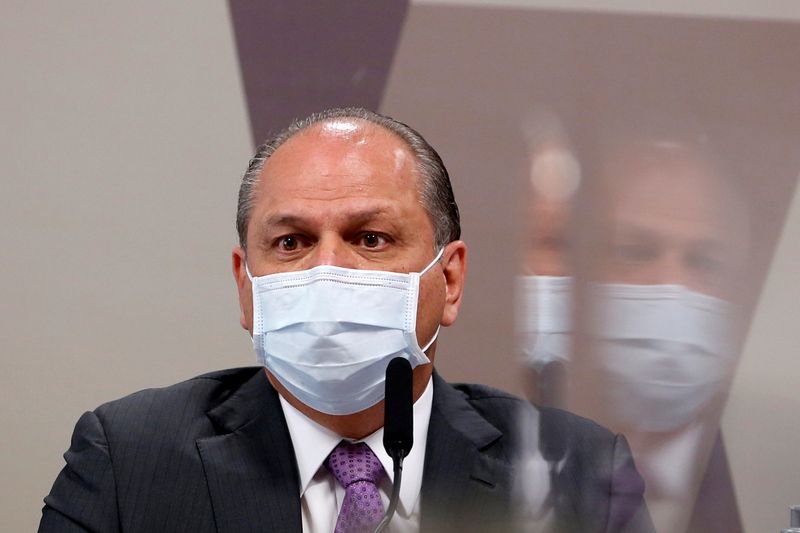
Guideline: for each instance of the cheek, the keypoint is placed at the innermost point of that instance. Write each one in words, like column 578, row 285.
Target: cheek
column 430, row 306
column 246, row 307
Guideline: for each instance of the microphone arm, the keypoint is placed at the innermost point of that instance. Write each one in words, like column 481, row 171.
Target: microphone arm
column 398, row 474
column 398, row 426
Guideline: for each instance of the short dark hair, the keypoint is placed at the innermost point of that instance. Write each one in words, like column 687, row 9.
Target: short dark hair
column 435, row 192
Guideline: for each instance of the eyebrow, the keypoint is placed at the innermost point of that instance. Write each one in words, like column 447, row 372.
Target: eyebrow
column 355, row 218
column 711, row 244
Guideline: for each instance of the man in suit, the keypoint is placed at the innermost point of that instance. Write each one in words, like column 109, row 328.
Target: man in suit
column 337, row 214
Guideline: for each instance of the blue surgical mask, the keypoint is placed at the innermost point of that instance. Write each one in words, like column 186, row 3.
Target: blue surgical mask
column 328, row 333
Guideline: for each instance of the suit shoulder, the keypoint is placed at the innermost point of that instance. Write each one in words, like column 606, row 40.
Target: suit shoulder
column 555, row 425
column 167, row 405
column 555, row 419
column 500, row 408
column 562, row 433
column 478, row 393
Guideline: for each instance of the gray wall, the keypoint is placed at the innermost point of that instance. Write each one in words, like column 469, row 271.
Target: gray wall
column 124, row 134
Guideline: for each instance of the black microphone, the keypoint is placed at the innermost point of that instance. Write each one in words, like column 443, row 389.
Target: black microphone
column 398, row 425
column 398, row 409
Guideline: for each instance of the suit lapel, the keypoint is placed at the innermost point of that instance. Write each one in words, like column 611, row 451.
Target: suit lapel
column 252, row 475
column 464, row 486
column 250, row 465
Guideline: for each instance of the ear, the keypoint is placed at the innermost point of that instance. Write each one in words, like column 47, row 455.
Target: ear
column 238, row 258
column 454, row 266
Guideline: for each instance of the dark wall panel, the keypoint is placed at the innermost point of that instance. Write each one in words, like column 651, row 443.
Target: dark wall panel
column 298, row 57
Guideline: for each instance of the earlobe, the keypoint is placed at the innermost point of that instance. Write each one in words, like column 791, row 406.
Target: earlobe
column 454, row 266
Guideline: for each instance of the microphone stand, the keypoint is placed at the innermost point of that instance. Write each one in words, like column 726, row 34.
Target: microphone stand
column 397, row 467
column 398, row 426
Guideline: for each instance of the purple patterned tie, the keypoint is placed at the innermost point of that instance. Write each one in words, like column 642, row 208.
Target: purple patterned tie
column 358, row 470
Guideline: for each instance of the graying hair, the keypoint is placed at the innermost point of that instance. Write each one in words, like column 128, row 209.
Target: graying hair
column 436, row 193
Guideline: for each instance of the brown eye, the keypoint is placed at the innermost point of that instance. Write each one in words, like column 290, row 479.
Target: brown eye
column 371, row 240
column 288, row 243
column 704, row 263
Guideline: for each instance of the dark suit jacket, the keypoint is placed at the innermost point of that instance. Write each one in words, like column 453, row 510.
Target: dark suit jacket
column 213, row 454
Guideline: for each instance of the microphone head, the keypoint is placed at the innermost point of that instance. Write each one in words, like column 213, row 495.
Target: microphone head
column 398, row 414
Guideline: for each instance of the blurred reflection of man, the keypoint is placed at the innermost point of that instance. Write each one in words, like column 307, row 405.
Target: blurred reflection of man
column 349, row 255
column 544, row 295
column 646, row 340
column 659, row 319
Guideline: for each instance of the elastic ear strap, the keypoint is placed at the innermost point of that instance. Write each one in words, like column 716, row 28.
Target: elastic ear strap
column 247, row 269
column 435, row 260
column 435, row 334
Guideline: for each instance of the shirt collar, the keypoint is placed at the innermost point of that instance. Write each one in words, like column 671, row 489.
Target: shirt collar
column 313, row 443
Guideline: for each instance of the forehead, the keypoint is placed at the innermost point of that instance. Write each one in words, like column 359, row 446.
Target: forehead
column 351, row 156
column 672, row 188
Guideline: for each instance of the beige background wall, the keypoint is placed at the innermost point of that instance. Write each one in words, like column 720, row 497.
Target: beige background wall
column 123, row 136
column 760, row 421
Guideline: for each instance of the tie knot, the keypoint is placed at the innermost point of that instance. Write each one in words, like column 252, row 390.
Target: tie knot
column 352, row 462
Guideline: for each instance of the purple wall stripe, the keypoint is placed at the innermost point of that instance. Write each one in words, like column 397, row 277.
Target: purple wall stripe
column 297, row 57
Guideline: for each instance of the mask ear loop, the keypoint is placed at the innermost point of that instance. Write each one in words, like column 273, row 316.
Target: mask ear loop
column 435, row 260
column 247, row 270
column 422, row 273
column 433, row 339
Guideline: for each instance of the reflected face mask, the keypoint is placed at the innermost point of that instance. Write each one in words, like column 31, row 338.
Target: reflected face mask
column 328, row 333
column 664, row 352
column 543, row 314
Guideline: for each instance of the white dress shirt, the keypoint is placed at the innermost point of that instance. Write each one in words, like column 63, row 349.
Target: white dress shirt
column 672, row 474
column 321, row 495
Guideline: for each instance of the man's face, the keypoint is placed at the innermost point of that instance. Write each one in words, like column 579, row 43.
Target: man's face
column 345, row 193
column 668, row 218
column 673, row 221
